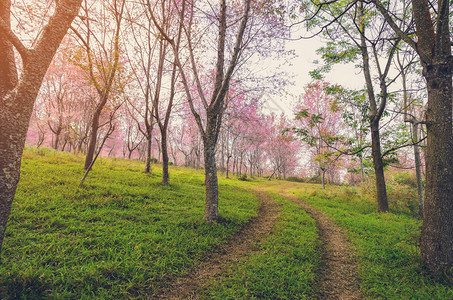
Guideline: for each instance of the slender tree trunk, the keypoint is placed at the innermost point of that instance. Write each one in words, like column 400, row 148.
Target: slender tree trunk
column 165, row 175
column 323, row 178
column 240, row 167
column 375, row 116
column 418, row 170
column 228, row 166
column 93, row 139
column 381, row 190
column 57, row 138
column 212, row 189
column 234, row 166
column 148, row 154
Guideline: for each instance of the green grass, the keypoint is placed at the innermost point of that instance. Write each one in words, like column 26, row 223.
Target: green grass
column 124, row 235
column 121, row 235
column 284, row 266
column 386, row 243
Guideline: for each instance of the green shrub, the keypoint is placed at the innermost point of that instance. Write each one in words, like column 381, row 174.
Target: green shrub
column 313, row 179
column 405, row 178
column 243, row 177
column 295, row 179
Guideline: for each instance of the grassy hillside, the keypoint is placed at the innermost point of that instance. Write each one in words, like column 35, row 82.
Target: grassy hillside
column 122, row 234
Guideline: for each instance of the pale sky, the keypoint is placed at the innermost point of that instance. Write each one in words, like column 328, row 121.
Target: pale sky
column 305, row 49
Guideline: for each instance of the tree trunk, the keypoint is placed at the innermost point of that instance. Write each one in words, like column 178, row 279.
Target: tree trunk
column 57, row 138
column 437, row 232
column 93, row 139
column 418, row 171
column 323, row 178
column 148, row 154
column 375, row 114
column 165, row 175
column 381, row 190
column 212, row 189
column 228, row 166
column 17, row 98
column 14, row 120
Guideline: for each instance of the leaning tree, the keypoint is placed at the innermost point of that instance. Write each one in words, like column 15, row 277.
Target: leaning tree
column 20, row 81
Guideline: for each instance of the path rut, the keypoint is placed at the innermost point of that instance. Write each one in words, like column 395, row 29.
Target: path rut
column 338, row 278
column 240, row 245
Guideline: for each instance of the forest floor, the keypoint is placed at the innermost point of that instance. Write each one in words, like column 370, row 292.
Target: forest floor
column 338, row 276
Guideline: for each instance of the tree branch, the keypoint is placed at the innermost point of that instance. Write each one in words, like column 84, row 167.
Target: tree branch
column 13, row 39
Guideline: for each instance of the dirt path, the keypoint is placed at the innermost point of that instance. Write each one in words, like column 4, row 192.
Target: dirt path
column 339, row 271
column 240, row 245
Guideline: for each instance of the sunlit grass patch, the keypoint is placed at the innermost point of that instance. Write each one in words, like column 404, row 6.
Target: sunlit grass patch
column 122, row 234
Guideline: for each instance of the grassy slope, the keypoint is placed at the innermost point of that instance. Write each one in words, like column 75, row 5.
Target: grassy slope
column 125, row 235
column 122, row 234
column 386, row 244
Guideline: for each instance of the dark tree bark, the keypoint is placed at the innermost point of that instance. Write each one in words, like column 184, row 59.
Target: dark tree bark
column 17, row 97
column 211, row 182
column 149, row 140
column 433, row 46
column 381, row 189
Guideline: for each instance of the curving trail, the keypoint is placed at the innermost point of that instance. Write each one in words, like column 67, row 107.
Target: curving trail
column 338, row 278
column 240, row 245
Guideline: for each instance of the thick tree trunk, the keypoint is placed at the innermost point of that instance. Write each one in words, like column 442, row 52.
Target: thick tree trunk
column 17, row 98
column 14, row 121
column 212, row 189
column 381, row 190
column 13, row 124
column 437, row 231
